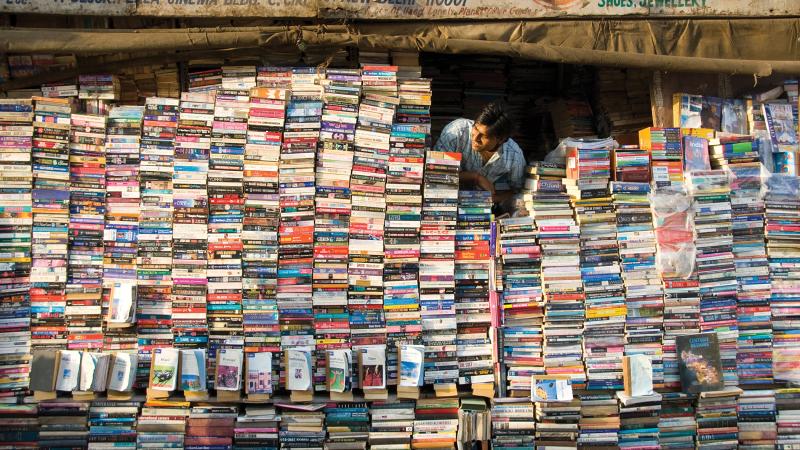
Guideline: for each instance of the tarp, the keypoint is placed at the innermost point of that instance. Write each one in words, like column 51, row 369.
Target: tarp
column 734, row 46
column 409, row 9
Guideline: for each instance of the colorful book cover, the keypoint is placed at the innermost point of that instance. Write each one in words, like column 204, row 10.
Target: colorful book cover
column 339, row 370
column 699, row 363
column 734, row 116
column 711, row 115
column 551, row 389
column 373, row 367
column 259, row 373
column 193, row 370
column 695, row 154
column 229, row 369
column 780, row 125
column 164, row 373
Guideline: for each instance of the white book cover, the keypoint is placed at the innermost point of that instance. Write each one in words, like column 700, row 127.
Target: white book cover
column 412, row 358
column 123, row 372
column 193, row 370
column 69, row 365
column 339, row 370
column 298, row 369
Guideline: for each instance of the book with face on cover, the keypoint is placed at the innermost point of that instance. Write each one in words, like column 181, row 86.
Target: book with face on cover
column 193, row 370
column 373, row 367
column 699, row 363
column 164, row 369
column 229, row 369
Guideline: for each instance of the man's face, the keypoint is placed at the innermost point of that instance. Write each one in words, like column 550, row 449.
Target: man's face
column 481, row 141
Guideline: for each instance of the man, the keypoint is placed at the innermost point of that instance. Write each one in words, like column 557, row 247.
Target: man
column 490, row 159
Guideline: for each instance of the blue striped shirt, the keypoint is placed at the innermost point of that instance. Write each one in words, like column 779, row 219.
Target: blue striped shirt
column 505, row 169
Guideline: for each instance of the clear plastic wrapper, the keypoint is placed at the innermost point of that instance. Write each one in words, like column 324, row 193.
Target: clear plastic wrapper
column 778, row 185
column 674, row 227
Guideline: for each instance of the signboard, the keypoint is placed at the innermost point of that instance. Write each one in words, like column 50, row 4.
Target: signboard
column 409, row 9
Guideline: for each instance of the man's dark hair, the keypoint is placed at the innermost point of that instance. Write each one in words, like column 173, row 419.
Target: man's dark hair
column 497, row 121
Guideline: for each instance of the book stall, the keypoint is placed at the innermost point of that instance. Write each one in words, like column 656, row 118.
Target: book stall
column 232, row 256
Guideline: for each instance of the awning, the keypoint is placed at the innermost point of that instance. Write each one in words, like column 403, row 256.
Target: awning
column 735, row 46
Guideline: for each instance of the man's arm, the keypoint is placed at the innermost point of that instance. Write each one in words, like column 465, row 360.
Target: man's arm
column 468, row 179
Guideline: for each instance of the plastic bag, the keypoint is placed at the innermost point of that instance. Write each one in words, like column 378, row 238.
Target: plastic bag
column 674, row 228
column 559, row 154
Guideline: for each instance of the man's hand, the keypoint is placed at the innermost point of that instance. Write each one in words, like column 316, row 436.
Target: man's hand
column 485, row 184
column 476, row 179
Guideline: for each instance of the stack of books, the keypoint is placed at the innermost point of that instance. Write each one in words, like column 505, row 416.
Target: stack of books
column 239, row 78
column 261, row 220
column 754, row 353
column 63, row 424
column 87, row 217
column 631, row 164
column 644, row 296
column 98, row 87
column 435, row 423
column 408, row 142
column 16, row 220
column 257, row 428
column 716, row 268
column 600, row 420
column 677, row 427
column 190, row 223
column 154, row 252
column 50, row 195
column 210, row 426
column 379, row 79
column 513, row 424
column 604, row 328
column 391, row 424
column 666, row 154
column 787, row 402
column 681, row 317
column 20, row 425
column 557, row 423
column 561, row 282
column 162, row 424
column 367, row 222
column 347, row 425
column 756, row 419
column 639, row 421
column 473, row 260
column 296, row 226
column 112, row 424
column 523, row 305
column 205, row 80
column 727, row 151
column 60, row 89
column 782, row 224
column 302, row 427
column 341, row 94
column 225, row 217
column 437, row 267
column 474, row 421
column 587, row 180
column 716, row 419
column 120, row 236
column 274, row 77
